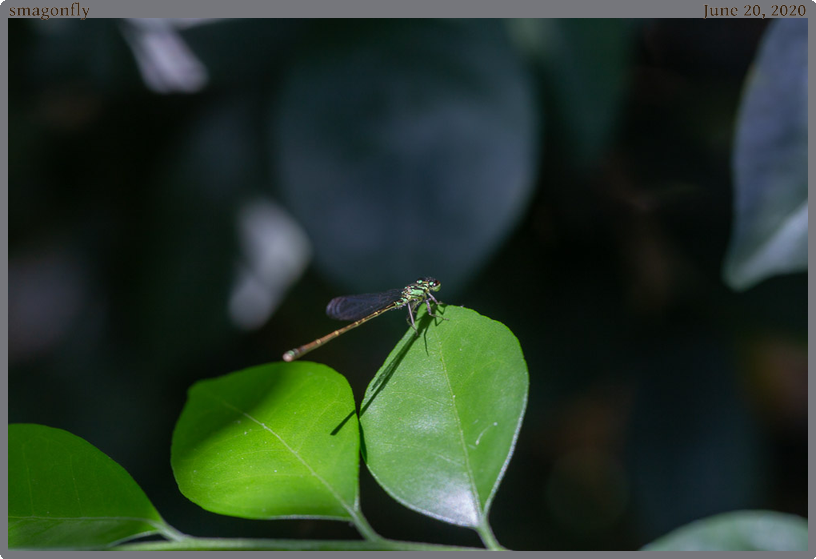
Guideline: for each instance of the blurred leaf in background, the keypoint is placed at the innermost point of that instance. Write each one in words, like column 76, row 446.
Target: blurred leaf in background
column 406, row 148
column 738, row 531
column 770, row 162
column 584, row 74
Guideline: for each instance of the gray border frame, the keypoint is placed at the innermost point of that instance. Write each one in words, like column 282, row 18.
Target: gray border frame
column 367, row 8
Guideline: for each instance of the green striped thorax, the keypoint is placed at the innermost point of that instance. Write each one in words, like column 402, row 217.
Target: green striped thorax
column 420, row 289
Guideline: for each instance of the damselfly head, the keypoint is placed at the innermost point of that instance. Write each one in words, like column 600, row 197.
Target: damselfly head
column 432, row 283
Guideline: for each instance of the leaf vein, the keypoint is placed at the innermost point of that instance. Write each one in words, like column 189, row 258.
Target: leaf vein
column 296, row 454
column 468, row 467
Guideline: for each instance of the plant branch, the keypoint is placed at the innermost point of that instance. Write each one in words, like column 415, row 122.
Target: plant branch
column 190, row 543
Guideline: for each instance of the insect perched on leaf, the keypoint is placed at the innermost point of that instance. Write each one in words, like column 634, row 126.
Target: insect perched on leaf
column 362, row 308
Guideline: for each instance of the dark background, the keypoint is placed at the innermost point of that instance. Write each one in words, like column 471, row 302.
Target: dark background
column 568, row 178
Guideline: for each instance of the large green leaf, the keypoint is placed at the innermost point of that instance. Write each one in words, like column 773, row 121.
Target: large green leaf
column 770, row 162
column 278, row 440
column 65, row 493
column 441, row 417
column 738, row 531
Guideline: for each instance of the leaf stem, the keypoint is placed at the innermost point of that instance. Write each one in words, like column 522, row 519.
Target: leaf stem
column 171, row 533
column 364, row 527
column 486, row 533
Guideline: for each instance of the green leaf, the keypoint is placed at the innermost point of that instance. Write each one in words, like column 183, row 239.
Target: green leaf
column 65, row 493
column 441, row 417
column 770, row 162
column 278, row 440
column 738, row 531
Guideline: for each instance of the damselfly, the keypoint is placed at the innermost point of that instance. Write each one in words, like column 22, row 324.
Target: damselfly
column 362, row 308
